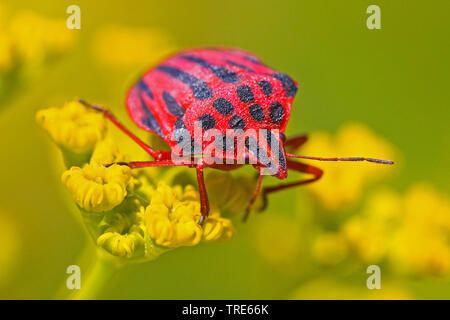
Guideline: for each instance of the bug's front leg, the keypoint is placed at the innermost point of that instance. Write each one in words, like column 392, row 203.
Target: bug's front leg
column 157, row 155
column 204, row 202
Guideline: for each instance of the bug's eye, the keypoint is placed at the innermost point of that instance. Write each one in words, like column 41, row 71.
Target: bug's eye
column 283, row 137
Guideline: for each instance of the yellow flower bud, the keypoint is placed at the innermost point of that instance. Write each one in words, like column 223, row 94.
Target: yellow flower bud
column 217, row 228
column 73, row 127
column 121, row 245
column 97, row 188
column 106, row 152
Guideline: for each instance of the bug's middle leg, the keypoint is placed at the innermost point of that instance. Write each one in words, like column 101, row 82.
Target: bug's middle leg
column 157, row 155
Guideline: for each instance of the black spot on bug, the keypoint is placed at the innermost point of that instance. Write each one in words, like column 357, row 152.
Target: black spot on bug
column 220, row 72
column 256, row 111
column 236, row 122
column 206, row 121
column 245, row 94
column 287, row 82
column 266, row 87
column 172, row 104
column 200, row 88
column 149, row 120
column 276, row 112
column 223, row 106
column 144, row 87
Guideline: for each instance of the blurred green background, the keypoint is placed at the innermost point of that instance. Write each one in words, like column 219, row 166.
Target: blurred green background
column 395, row 80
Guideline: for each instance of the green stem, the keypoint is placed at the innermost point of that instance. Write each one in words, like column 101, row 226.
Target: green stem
column 101, row 272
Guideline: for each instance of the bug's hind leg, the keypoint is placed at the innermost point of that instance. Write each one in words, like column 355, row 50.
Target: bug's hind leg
column 295, row 142
column 157, row 155
column 253, row 198
column 299, row 167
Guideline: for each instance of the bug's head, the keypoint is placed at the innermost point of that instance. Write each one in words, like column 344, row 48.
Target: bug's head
column 266, row 151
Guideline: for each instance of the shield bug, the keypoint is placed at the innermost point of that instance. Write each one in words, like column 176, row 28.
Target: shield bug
column 219, row 108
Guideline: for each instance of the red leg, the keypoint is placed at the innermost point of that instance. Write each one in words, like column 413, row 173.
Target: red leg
column 156, row 163
column 157, row 155
column 295, row 142
column 253, row 198
column 296, row 166
column 204, row 203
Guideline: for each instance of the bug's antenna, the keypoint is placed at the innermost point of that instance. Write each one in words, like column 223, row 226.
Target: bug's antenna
column 341, row 159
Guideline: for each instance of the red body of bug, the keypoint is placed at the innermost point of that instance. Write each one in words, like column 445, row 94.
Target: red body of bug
column 218, row 89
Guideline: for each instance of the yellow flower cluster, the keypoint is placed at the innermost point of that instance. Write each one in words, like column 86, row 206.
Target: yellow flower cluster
column 411, row 232
column 120, row 47
column 343, row 183
column 127, row 214
column 97, row 188
column 422, row 242
column 173, row 215
column 73, row 127
column 30, row 39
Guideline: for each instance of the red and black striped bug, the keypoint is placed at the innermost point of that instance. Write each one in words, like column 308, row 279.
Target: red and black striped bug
column 221, row 90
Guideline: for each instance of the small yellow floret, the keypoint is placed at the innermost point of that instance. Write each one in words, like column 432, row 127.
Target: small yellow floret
column 121, row 245
column 73, row 127
column 97, row 188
